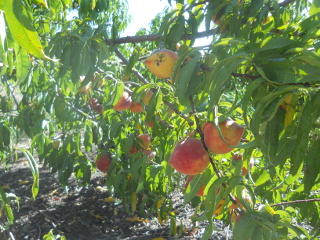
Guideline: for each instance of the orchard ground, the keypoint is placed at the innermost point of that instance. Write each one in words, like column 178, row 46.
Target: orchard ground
column 87, row 212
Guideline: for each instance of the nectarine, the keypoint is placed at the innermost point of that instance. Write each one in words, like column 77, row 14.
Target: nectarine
column 136, row 107
column 124, row 103
column 149, row 124
column 144, row 140
column 103, row 162
column 236, row 156
column 189, row 157
column 161, row 62
column 95, row 105
column 231, row 131
column 86, row 88
column 147, row 97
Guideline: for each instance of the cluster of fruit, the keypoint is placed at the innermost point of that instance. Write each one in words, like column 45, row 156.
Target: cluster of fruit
column 190, row 156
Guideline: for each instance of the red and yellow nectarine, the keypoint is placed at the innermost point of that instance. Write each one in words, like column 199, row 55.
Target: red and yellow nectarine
column 103, row 162
column 161, row 62
column 147, row 97
column 189, row 157
column 95, row 105
column 124, row 103
column 231, row 131
column 136, row 107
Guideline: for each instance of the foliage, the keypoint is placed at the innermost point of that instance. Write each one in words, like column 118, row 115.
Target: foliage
column 262, row 69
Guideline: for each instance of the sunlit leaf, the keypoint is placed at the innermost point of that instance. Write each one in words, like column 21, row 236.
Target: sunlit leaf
column 19, row 20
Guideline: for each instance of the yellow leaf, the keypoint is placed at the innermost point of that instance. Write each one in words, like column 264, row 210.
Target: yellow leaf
column 110, row 199
column 159, row 203
column 219, row 207
column 133, row 202
column 5, row 187
column 135, row 218
column 288, row 118
column 24, row 182
column 97, row 216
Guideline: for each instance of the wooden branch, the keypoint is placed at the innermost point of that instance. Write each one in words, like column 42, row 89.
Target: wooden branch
column 123, row 58
column 286, row 2
column 296, row 201
column 154, row 37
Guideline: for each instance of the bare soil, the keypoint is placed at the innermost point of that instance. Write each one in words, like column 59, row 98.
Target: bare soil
column 85, row 212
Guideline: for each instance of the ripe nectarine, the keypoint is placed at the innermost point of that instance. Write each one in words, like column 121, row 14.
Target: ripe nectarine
column 124, row 103
column 149, row 124
column 231, row 131
column 136, row 107
column 103, row 162
column 144, row 140
column 236, row 156
column 189, row 157
column 95, row 105
column 161, row 62
column 147, row 97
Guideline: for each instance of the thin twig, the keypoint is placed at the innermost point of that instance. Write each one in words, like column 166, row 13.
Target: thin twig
column 296, row 201
column 185, row 117
column 123, row 58
column 163, row 122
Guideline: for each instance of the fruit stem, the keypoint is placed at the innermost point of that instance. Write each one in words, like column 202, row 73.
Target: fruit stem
column 216, row 170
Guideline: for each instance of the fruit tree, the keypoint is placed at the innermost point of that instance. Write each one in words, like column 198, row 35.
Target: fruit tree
column 159, row 108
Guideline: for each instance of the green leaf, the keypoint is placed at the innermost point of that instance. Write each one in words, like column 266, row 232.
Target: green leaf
column 118, row 93
column 175, row 33
column 23, row 64
column 88, row 136
column 154, row 105
column 131, row 62
column 184, row 79
column 34, row 170
column 263, row 177
column 245, row 227
column 221, row 72
column 315, row 7
column 312, row 167
column 300, row 148
column 18, row 16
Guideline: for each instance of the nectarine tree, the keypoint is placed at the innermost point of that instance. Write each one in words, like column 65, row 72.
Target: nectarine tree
column 251, row 88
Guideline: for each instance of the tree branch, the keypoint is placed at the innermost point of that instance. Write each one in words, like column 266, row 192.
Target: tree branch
column 124, row 60
column 154, row 37
column 296, row 201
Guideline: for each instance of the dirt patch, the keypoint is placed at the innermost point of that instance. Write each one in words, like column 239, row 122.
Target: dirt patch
column 85, row 212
